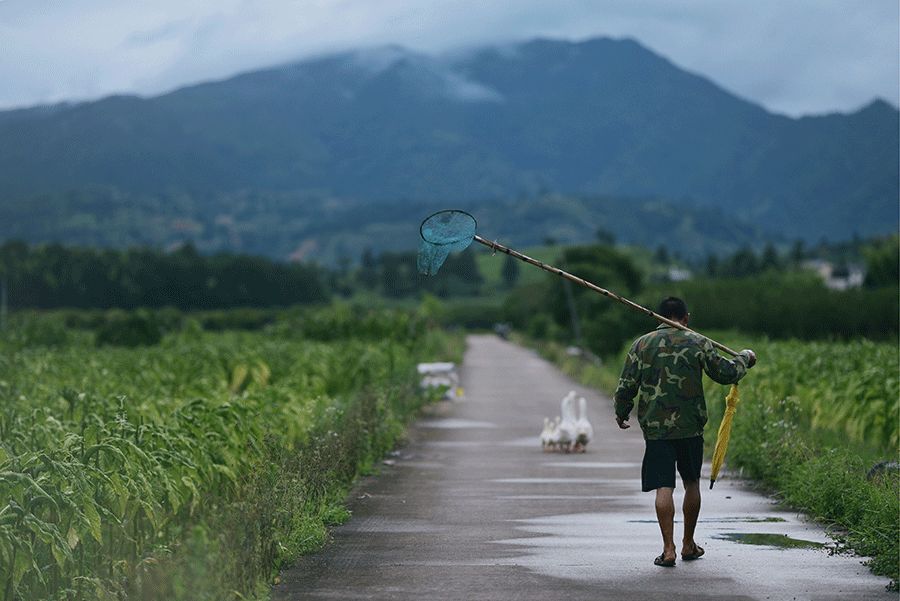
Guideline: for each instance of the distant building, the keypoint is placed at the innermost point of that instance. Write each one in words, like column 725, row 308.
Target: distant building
column 677, row 274
column 837, row 278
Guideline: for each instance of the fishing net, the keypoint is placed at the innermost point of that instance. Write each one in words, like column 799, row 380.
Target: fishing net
column 443, row 233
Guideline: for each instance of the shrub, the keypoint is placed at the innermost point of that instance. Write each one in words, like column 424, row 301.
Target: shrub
column 37, row 329
column 138, row 328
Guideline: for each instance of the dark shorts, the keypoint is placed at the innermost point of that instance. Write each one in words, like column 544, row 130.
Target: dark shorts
column 661, row 457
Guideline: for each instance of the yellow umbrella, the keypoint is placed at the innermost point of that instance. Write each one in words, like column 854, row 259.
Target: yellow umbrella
column 731, row 402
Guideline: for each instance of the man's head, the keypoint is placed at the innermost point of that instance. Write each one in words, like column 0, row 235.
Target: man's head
column 674, row 308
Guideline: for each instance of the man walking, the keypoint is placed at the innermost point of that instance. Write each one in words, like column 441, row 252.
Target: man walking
column 664, row 369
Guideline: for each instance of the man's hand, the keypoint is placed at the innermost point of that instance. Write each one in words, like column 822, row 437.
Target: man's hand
column 751, row 357
column 621, row 421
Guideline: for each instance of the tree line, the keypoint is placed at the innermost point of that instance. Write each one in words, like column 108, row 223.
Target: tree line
column 879, row 256
column 54, row 276
column 757, row 293
column 394, row 275
column 764, row 294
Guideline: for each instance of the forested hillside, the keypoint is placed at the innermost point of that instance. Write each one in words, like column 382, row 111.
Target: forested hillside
column 602, row 118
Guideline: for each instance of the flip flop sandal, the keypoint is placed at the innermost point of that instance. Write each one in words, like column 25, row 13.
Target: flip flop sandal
column 662, row 561
column 697, row 554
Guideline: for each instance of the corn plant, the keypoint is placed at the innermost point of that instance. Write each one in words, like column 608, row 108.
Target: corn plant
column 848, row 390
column 116, row 462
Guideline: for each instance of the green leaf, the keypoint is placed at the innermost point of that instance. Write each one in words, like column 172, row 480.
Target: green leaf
column 121, row 493
column 93, row 518
column 60, row 554
column 226, row 471
column 174, row 497
column 23, row 562
column 72, row 538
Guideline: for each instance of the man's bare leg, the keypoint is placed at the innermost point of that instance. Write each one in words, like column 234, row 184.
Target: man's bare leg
column 665, row 515
column 691, row 508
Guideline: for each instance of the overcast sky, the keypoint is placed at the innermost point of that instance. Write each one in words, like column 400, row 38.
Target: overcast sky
column 792, row 56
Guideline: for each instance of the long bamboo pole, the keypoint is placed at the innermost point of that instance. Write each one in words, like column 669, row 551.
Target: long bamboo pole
column 582, row 282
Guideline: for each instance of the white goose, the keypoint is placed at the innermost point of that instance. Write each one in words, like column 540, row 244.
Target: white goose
column 554, row 434
column 584, row 431
column 547, row 443
column 567, row 432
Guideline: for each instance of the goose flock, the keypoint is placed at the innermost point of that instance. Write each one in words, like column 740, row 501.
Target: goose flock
column 570, row 432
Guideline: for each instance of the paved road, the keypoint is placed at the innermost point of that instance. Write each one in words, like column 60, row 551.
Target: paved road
column 472, row 509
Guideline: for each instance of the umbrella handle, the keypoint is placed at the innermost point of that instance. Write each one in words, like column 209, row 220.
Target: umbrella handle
column 583, row 282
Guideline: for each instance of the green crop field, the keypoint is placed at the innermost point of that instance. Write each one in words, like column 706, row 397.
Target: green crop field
column 839, row 393
column 193, row 468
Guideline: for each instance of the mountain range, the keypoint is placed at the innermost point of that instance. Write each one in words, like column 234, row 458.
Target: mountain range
column 492, row 127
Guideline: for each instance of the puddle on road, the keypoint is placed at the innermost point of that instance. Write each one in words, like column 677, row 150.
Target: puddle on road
column 455, row 424
column 530, row 441
column 591, row 464
column 552, row 480
column 379, row 524
column 453, row 444
column 780, row 541
column 747, row 520
column 558, row 497
column 423, row 465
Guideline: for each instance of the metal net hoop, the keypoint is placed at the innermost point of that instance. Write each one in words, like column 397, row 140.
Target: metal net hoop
column 442, row 233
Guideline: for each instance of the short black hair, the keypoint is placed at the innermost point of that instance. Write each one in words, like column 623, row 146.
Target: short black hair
column 673, row 307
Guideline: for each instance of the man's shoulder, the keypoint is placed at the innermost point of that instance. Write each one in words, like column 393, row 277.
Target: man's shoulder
column 644, row 341
column 668, row 337
column 661, row 333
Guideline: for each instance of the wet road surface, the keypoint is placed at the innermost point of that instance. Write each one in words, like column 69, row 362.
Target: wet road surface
column 472, row 509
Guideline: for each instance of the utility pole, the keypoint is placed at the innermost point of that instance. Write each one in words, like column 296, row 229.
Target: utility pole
column 570, row 300
column 573, row 314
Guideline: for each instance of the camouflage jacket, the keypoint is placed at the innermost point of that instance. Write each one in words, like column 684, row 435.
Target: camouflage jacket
column 665, row 369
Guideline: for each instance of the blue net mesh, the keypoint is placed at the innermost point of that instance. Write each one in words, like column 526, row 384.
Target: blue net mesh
column 443, row 233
